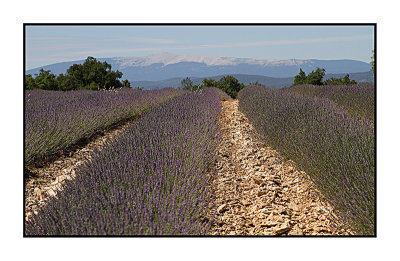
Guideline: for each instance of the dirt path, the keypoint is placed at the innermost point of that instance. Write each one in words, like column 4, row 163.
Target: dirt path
column 47, row 177
column 260, row 194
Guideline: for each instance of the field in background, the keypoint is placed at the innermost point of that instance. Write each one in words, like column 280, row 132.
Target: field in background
column 357, row 100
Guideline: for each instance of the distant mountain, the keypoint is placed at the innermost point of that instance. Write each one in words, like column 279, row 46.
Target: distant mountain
column 274, row 83
column 163, row 66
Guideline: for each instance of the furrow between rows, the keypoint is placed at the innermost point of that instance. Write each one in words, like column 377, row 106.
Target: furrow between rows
column 258, row 192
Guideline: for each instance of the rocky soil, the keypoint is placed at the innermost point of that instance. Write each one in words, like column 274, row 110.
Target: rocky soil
column 45, row 177
column 258, row 192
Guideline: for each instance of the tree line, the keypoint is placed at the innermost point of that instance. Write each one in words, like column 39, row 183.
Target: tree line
column 229, row 84
column 232, row 86
column 91, row 75
column 316, row 78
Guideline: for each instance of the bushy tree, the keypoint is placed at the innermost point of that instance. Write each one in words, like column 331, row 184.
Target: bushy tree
column 300, row 78
column 66, row 83
column 228, row 84
column 340, row 81
column 315, row 77
column 126, row 83
column 30, row 83
column 112, row 79
column 197, row 87
column 347, row 81
column 333, row 81
column 91, row 75
column 92, row 86
column 187, row 84
column 45, row 80
column 208, row 82
column 94, row 73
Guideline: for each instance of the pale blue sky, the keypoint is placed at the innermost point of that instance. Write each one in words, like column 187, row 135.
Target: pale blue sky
column 51, row 44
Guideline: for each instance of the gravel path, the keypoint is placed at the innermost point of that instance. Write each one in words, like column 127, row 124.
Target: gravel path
column 258, row 193
column 45, row 178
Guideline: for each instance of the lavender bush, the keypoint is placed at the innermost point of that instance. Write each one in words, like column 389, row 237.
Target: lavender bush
column 355, row 99
column 336, row 149
column 55, row 120
column 151, row 180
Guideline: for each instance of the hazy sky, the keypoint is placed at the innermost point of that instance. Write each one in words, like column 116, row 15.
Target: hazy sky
column 51, row 44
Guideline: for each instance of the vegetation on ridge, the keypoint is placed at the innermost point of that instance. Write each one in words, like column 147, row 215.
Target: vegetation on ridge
column 316, row 78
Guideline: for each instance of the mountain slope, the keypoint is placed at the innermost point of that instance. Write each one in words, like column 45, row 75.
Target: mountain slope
column 165, row 66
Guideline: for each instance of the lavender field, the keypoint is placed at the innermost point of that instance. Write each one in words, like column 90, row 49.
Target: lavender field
column 357, row 100
column 55, row 120
column 151, row 180
column 156, row 177
column 333, row 140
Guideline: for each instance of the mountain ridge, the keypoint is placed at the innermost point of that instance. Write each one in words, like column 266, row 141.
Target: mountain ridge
column 164, row 66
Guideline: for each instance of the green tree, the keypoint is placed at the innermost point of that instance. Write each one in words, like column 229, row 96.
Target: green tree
column 66, row 83
column 333, row 81
column 45, row 80
column 208, row 82
column 347, row 81
column 92, row 86
column 126, row 83
column 91, row 75
column 316, row 77
column 340, row 81
column 230, row 85
column 76, row 75
column 94, row 73
column 30, row 82
column 300, row 78
column 112, row 79
column 187, row 84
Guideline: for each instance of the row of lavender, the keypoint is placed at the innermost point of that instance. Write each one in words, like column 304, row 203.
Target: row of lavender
column 151, row 180
column 55, row 120
column 337, row 150
column 355, row 99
